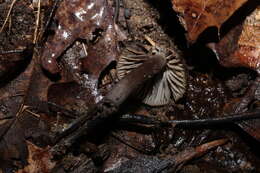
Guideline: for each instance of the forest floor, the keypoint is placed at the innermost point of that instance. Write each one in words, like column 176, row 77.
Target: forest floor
column 211, row 91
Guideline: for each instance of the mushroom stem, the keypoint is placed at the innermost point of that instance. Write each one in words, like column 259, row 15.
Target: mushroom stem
column 104, row 110
column 135, row 79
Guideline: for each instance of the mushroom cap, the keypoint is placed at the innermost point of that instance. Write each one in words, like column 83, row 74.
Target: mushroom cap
column 168, row 85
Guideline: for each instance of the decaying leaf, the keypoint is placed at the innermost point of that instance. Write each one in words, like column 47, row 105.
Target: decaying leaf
column 71, row 96
column 24, row 132
column 39, row 160
column 146, row 164
column 13, row 63
column 75, row 164
column 237, row 105
column 100, row 54
column 197, row 15
column 83, row 20
column 241, row 46
column 18, row 123
column 13, row 149
column 12, row 142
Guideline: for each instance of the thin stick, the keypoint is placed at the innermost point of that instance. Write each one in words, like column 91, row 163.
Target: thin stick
column 150, row 40
column 8, row 15
column 10, row 24
column 12, row 51
column 234, row 118
column 32, row 113
column 85, row 49
column 37, row 22
column 239, row 117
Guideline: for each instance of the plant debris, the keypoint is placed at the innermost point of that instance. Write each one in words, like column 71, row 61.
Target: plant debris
column 74, row 76
column 197, row 16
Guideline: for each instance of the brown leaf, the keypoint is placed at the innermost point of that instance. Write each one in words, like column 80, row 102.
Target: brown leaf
column 18, row 123
column 240, row 47
column 251, row 127
column 198, row 15
column 12, row 139
column 13, row 149
column 71, row 96
column 82, row 19
column 101, row 53
column 37, row 89
column 154, row 164
column 39, row 160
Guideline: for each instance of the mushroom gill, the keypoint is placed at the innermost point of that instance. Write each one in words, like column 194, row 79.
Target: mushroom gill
column 168, row 85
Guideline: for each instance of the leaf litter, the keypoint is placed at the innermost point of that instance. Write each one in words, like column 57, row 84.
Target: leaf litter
column 37, row 105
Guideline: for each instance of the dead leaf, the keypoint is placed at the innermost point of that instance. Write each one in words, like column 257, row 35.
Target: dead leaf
column 237, row 105
column 18, row 122
column 71, row 96
column 173, row 163
column 12, row 140
column 75, row 164
column 241, row 46
column 82, row 20
column 198, row 15
column 13, row 149
column 101, row 53
column 38, row 160
column 12, row 64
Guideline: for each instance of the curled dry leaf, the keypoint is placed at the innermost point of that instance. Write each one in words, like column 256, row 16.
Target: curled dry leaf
column 197, row 15
column 241, row 45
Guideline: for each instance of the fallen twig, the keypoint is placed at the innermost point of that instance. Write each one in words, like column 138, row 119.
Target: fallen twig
column 234, row 118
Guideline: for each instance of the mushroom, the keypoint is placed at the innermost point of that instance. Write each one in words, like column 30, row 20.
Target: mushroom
column 167, row 85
